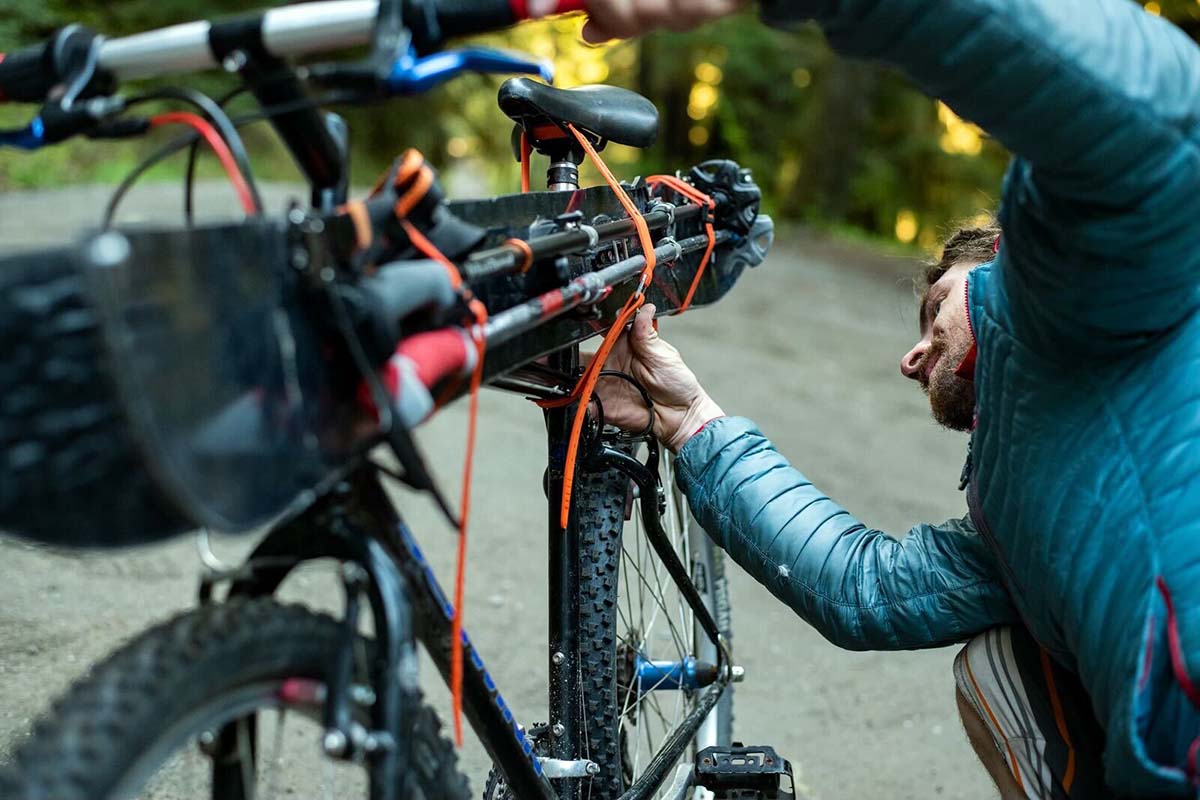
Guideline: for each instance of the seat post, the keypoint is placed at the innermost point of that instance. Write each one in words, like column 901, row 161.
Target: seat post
column 563, row 173
column 545, row 117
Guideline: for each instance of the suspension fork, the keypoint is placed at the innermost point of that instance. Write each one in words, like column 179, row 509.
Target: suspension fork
column 564, row 587
column 350, row 525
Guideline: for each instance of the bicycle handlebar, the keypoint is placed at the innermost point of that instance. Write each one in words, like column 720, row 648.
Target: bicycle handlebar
column 28, row 75
column 24, row 77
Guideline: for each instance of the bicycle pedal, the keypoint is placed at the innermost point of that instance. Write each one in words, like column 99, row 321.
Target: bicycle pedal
column 745, row 773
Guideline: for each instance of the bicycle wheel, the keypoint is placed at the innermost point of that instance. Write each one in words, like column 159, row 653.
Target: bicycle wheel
column 64, row 440
column 631, row 613
column 222, row 702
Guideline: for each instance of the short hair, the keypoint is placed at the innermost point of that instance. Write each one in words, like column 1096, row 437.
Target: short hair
column 975, row 244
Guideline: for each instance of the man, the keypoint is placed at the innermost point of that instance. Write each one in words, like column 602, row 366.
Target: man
column 1069, row 348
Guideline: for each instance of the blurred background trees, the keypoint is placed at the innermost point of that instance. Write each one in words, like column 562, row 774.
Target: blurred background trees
column 832, row 142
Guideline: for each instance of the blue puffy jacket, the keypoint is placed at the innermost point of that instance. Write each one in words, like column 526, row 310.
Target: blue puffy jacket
column 1085, row 486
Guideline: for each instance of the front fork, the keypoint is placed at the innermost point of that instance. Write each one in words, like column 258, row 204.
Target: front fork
column 344, row 528
column 565, row 726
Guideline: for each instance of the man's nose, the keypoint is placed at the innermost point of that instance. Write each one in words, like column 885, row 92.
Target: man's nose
column 910, row 364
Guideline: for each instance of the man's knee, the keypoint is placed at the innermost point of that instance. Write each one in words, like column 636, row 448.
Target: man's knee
column 980, row 734
column 977, row 732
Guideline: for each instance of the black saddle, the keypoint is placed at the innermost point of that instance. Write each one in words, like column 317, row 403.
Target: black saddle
column 607, row 113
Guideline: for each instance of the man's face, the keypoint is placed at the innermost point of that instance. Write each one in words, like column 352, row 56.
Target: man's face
column 945, row 342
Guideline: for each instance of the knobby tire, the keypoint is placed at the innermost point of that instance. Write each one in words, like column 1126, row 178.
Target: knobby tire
column 94, row 735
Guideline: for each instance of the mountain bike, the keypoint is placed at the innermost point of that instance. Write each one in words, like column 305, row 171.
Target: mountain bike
column 231, row 376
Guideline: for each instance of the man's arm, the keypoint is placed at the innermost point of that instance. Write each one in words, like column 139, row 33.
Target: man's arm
column 860, row 588
column 1100, row 102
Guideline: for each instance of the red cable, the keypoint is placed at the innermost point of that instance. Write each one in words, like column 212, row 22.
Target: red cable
column 219, row 147
column 1175, row 645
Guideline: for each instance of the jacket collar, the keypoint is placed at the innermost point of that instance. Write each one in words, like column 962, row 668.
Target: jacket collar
column 975, row 278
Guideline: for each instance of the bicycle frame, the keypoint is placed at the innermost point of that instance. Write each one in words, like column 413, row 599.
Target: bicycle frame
column 357, row 523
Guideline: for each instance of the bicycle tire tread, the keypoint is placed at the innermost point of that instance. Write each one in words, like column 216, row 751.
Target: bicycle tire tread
column 78, row 749
column 64, row 441
column 600, row 507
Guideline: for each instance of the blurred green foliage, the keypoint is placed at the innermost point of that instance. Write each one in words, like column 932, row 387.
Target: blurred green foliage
column 831, row 142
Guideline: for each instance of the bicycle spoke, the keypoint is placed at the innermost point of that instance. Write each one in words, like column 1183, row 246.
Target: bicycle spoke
column 657, row 594
column 679, row 643
column 661, row 594
column 644, row 629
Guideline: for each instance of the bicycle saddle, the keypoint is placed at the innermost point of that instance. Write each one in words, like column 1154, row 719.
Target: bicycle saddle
column 609, row 113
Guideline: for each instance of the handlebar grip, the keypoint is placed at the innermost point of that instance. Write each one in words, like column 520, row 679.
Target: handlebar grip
column 28, row 75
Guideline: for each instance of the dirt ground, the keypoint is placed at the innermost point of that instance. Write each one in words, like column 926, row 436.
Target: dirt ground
column 806, row 345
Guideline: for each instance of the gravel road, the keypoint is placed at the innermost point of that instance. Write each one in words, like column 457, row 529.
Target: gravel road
column 807, row 346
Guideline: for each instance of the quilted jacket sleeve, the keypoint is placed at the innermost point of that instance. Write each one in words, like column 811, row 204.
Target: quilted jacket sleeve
column 861, row 588
column 1100, row 102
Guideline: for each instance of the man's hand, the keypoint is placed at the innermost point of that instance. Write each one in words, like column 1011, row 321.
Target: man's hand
column 621, row 19
column 681, row 406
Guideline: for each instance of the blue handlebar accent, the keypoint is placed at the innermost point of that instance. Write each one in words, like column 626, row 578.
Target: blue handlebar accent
column 31, row 137
column 412, row 75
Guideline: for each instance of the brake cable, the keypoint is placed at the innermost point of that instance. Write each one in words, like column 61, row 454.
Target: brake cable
column 203, row 129
column 213, row 111
column 219, row 146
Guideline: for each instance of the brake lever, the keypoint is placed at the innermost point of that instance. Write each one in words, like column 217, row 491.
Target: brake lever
column 56, row 123
column 412, row 74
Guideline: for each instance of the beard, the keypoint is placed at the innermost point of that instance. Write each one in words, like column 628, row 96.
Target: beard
column 951, row 398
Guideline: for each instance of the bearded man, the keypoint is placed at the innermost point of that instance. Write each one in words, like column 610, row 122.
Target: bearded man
column 1069, row 349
